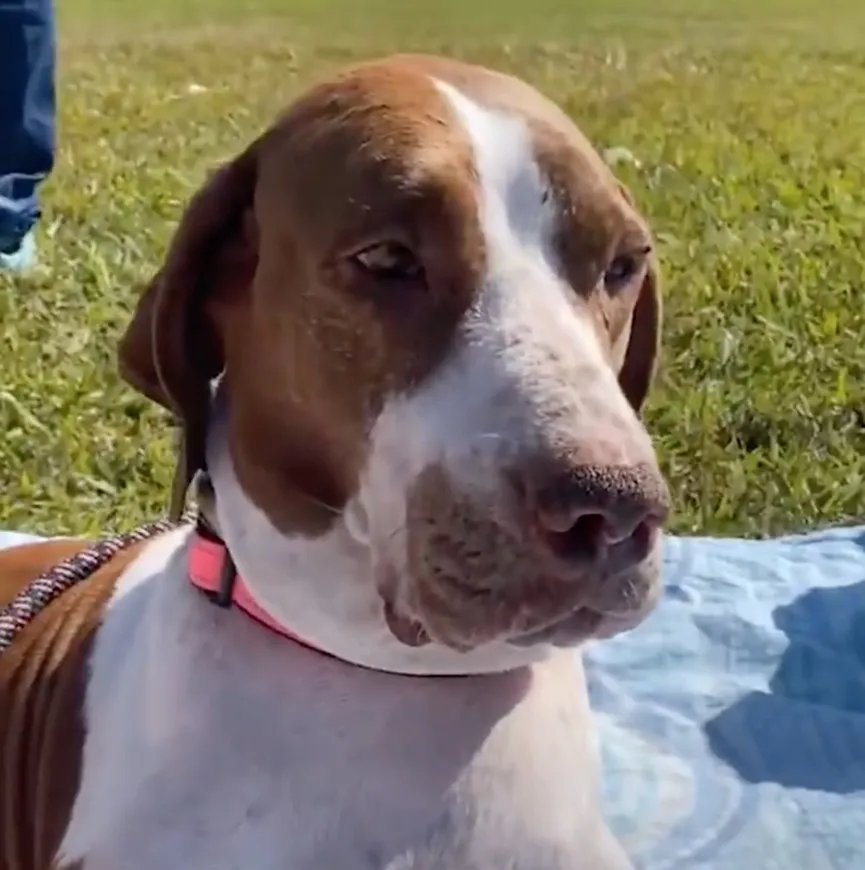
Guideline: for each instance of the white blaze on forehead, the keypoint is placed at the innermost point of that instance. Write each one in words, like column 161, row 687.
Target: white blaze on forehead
column 525, row 288
column 516, row 203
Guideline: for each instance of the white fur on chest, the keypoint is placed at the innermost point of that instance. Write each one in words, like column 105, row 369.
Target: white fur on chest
column 214, row 745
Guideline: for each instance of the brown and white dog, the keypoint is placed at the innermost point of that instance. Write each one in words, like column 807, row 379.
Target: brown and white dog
column 408, row 333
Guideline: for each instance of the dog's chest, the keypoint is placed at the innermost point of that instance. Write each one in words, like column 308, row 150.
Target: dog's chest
column 237, row 749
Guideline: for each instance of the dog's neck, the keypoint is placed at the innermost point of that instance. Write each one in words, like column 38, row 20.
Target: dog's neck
column 322, row 589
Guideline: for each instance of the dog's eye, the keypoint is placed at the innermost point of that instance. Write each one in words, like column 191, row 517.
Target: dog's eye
column 623, row 268
column 389, row 261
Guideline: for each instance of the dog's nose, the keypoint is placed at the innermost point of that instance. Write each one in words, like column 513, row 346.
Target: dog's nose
column 597, row 515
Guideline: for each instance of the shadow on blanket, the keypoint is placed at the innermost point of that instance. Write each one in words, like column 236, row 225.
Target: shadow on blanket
column 808, row 731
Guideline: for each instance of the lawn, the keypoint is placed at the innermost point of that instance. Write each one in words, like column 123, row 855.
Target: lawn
column 747, row 123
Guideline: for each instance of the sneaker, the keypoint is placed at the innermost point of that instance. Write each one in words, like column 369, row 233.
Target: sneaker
column 21, row 258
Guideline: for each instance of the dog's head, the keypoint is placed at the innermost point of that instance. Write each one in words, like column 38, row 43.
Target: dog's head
column 436, row 316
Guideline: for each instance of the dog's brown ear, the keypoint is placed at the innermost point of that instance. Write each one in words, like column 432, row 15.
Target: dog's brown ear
column 644, row 338
column 644, row 342
column 170, row 351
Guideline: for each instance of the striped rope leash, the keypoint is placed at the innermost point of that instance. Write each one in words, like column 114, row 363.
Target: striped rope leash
column 51, row 584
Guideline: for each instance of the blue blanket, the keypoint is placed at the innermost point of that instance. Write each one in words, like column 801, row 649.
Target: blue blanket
column 733, row 720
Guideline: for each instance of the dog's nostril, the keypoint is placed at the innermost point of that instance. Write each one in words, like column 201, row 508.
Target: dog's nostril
column 642, row 538
column 592, row 538
column 594, row 514
column 583, row 540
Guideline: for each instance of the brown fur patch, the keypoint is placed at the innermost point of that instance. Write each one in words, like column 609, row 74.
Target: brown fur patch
column 258, row 280
column 43, row 678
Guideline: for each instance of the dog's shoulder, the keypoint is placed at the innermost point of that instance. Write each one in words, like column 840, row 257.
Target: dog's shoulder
column 77, row 608
column 43, row 677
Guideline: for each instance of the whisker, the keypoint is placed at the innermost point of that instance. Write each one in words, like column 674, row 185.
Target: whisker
column 322, row 504
column 396, row 531
column 496, row 436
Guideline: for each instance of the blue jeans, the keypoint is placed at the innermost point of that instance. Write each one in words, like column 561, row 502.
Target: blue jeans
column 27, row 57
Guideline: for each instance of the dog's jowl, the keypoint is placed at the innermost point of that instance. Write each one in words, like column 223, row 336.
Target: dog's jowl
column 407, row 335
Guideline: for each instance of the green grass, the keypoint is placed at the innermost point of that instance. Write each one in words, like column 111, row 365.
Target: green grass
column 747, row 119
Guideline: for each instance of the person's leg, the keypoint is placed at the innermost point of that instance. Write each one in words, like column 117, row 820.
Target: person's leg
column 27, row 57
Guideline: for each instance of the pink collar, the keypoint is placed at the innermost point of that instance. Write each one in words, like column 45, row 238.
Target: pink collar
column 212, row 570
